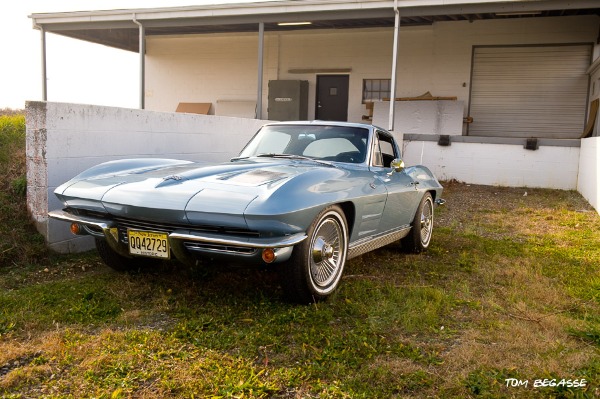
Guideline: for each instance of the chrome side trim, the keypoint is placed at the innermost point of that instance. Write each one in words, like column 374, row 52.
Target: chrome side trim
column 371, row 243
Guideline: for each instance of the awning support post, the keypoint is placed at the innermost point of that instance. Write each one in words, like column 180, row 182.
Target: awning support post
column 142, row 50
column 394, row 67
column 44, row 78
column 259, row 94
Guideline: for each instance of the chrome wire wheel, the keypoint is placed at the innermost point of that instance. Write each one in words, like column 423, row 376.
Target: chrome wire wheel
column 315, row 268
column 419, row 237
column 426, row 221
column 328, row 252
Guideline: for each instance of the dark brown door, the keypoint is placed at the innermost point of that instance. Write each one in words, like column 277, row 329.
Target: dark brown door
column 332, row 98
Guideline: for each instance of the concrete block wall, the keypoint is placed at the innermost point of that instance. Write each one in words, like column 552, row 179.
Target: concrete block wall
column 65, row 139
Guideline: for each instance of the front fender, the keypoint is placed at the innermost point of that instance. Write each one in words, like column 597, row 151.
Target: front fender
column 427, row 180
column 292, row 206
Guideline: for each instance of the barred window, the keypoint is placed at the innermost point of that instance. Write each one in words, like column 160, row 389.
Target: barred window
column 376, row 89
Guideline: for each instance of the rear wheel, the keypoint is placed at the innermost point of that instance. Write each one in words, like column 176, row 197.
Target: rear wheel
column 114, row 260
column 422, row 227
column 315, row 269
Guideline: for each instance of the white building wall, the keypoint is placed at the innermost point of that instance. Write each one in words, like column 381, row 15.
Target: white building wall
column 510, row 165
column 200, row 69
column 589, row 171
column 63, row 140
column 436, row 58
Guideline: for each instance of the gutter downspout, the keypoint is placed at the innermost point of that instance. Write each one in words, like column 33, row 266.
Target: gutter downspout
column 394, row 67
column 259, row 94
column 142, row 51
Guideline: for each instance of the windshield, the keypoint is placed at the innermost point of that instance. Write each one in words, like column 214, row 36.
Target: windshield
column 327, row 143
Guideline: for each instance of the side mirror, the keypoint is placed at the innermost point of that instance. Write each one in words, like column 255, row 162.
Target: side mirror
column 397, row 165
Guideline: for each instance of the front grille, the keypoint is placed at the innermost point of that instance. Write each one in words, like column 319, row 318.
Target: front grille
column 201, row 246
column 170, row 227
column 124, row 224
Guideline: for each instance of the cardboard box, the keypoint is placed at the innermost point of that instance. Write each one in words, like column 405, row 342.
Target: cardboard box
column 194, row 108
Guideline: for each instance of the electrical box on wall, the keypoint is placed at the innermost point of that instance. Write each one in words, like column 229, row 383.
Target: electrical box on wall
column 288, row 100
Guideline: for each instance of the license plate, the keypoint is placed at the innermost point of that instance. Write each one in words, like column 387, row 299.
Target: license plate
column 148, row 243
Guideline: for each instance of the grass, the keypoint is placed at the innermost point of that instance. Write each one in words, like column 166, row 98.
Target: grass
column 509, row 289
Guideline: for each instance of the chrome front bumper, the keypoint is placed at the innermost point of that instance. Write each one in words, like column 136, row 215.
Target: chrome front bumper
column 182, row 241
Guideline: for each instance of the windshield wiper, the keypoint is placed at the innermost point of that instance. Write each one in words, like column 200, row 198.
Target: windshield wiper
column 294, row 156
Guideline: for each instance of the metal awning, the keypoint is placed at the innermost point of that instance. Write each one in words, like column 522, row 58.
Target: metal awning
column 116, row 28
column 127, row 29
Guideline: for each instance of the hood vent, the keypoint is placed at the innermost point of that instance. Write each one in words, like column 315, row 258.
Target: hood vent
column 255, row 177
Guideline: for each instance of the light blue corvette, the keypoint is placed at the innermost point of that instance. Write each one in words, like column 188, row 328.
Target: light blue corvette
column 307, row 195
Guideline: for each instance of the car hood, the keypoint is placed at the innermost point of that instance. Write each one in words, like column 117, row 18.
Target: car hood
column 182, row 193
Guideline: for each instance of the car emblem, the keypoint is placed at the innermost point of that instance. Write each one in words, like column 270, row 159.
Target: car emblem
column 172, row 177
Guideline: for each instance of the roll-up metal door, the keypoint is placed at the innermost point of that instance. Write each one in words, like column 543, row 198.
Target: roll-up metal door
column 529, row 91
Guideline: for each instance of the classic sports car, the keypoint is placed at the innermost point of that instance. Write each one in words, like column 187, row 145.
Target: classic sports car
column 307, row 195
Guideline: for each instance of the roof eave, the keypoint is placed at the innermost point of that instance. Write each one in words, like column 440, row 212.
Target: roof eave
column 116, row 28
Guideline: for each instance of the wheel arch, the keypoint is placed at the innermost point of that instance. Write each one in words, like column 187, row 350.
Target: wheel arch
column 349, row 210
column 433, row 194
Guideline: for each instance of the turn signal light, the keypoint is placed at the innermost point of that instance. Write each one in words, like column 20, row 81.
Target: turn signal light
column 75, row 229
column 268, row 255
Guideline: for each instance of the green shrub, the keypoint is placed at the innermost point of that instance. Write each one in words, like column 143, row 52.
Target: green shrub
column 20, row 244
column 19, row 186
column 12, row 148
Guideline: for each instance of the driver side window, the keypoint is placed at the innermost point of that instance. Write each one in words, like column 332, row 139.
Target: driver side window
column 383, row 151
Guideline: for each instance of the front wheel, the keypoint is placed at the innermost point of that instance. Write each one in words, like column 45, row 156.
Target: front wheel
column 422, row 227
column 315, row 269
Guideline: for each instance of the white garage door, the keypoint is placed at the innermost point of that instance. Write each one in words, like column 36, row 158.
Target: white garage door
column 530, row 91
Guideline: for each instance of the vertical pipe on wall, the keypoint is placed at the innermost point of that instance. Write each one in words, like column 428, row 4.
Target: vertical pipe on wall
column 44, row 78
column 259, row 94
column 394, row 67
column 142, row 50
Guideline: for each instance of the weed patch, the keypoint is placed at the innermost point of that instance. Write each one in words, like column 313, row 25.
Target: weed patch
column 19, row 241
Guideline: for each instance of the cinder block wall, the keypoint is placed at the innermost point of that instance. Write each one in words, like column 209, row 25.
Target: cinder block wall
column 65, row 139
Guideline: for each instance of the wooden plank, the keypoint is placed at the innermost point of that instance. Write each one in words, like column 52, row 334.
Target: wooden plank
column 589, row 127
column 424, row 97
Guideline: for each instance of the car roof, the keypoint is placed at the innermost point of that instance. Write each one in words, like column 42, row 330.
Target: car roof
column 324, row 123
